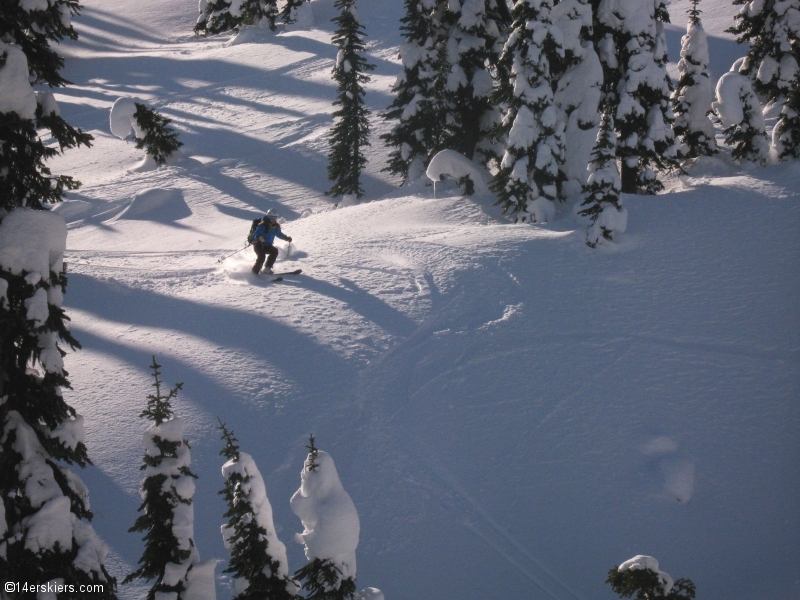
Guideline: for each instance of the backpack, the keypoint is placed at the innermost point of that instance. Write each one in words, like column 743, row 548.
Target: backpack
column 253, row 227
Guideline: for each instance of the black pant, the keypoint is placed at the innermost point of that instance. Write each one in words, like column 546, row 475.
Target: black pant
column 262, row 251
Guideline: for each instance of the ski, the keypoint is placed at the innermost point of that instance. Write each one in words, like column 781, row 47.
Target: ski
column 279, row 276
column 297, row 272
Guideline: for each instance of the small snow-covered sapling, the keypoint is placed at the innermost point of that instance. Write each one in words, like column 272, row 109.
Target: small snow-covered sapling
column 640, row 578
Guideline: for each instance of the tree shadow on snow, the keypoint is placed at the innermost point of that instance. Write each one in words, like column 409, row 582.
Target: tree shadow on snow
column 312, row 365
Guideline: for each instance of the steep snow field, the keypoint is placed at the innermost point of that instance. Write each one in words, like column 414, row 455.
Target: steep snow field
column 511, row 412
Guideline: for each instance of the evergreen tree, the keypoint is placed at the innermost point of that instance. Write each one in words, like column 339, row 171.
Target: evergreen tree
column 693, row 94
column 159, row 140
column 322, row 580
column 786, row 135
column 255, row 10
column 772, row 29
column 289, row 12
column 350, row 134
column 218, row 16
column 35, row 29
column 472, row 38
column 633, row 49
column 331, row 530
column 739, row 112
column 258, row 559
column 418, row 133
column 578, row 92
column 167, row 514
column 601, row 193
column 45, row 534
column 526, row 183
column 640, row 578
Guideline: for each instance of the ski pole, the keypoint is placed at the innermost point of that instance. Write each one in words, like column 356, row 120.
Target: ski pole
column 233, row 253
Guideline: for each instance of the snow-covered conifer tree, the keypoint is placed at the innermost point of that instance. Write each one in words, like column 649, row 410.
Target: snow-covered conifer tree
column 634, row 30
column 350, row 133
column 255, row 10
column 693, row 95
column 258, row 559
column 331, row 530
column 158, row 139
column 289, row 12
column 578, row 93
column 739, row 111
column 527, row 182
column 417, row 135
column 772, row 29
column 218, row 16
column 601, row 193
column 27, row 30
column 473, row 35
column 786, row 134
column 45, row 535
column 170, row 556
column 640, row 576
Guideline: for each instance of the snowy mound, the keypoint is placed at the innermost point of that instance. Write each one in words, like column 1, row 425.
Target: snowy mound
column 452, row 164
column 328, row 515
column 162, row 205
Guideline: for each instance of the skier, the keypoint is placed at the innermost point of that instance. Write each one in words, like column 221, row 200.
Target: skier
column 266, row 232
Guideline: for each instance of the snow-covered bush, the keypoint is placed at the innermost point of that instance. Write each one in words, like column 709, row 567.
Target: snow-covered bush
column 350, row 134
column 331, row 529
column 739, row 111
column 170, row 556
column 640, row 576
column 694, row 93
column 601, row 193
column 258, row 558
column 45, row 535
column 151, row 130
column 527, row 182
column 451, row 164
column 772, row 30
column 786, row 134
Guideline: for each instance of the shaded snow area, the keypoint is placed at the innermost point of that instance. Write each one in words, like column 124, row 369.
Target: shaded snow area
column 511, row 412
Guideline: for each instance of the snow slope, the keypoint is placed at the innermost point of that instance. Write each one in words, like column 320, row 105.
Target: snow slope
column 511, row 412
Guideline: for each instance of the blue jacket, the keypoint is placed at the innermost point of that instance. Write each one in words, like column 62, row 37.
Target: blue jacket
column 269, row 234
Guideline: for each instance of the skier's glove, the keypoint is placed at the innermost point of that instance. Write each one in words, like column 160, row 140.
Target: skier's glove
column 289, row 238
